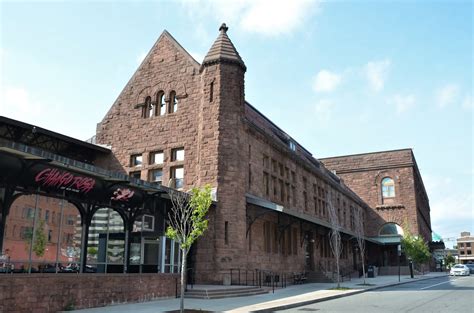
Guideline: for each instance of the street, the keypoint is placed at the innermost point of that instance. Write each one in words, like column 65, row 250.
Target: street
column 444, row 294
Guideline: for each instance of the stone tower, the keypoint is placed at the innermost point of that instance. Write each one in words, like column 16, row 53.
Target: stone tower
column 223, row 147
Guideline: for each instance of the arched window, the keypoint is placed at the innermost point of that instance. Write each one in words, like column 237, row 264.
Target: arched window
column 173, row 102
column 390, row 229
column 388, row 188
column 147, row 110
column 162, row 103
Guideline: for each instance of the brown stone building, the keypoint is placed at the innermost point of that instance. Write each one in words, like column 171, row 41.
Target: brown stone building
column 184, row 124
column 391, row 184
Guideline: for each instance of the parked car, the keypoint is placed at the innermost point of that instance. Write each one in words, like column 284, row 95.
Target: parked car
column 459, row 269
column 471, row 267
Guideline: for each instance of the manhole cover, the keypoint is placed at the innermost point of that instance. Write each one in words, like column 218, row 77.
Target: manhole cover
column 308, row 309
column 189, row 311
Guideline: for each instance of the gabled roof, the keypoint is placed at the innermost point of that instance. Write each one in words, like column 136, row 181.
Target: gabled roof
column 223, row 50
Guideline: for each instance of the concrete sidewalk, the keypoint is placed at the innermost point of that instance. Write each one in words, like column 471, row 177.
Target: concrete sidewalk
column 284, row 298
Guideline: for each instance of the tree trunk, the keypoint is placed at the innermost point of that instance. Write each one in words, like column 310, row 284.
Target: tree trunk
column 184, row 252
column 363, row 265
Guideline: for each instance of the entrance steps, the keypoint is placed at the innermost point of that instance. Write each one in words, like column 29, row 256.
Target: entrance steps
column 317, row 277
column 219, row 292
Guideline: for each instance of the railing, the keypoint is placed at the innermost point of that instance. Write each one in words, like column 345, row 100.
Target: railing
column 344, row 273
column 262, row 278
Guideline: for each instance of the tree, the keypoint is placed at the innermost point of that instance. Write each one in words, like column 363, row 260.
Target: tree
column 359, row 232
column 39, row 244
column 449, row 260
column 187, row 222
column 415, row 248
column 335, row 237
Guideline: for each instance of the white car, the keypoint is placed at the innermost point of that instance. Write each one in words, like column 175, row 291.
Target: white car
column 459, row 269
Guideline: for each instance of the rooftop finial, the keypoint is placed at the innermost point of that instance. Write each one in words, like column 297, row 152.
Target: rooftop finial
column 223, row 28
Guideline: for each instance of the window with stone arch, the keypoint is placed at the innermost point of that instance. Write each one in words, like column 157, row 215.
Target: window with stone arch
column 160, row 100
column 391, row 229
column 173, row 102
column 388, row 188
column 147, row 108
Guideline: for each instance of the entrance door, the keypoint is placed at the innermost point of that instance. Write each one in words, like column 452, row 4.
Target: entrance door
column 151, row 256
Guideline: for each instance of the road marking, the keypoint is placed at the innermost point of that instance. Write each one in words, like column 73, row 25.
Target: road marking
column 445, row 282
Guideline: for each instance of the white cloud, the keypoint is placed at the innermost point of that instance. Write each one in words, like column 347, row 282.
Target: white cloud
column 16, row 103
column 446, row 95
column 402, row 103
column 468, row 102
column 266, row 17
column 323, row 109
column 377, row 72
column 326, row 81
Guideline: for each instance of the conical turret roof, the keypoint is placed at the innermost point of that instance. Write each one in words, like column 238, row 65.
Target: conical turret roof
column 223, row 50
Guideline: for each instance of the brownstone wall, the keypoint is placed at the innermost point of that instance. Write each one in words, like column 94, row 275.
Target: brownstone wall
column 169, row 68
column 55, row 292
column 364, row 173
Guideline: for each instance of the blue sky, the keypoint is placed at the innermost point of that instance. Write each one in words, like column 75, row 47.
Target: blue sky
column 340, row 77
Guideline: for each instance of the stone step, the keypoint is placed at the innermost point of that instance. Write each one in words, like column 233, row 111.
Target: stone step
column 224, row 293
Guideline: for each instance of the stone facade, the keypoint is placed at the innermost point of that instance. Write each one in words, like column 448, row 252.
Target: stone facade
column 53, row 293
column 231, row 146
column 364, row 173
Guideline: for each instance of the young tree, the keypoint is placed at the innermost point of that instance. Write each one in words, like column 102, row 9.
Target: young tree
column 359, row 231
column 187, row 222
column 449, row 261
column 39, row 244
column 415, row 248
column 335, row 236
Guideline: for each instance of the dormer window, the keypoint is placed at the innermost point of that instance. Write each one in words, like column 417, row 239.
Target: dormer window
column 388, row 188
column 292, row 145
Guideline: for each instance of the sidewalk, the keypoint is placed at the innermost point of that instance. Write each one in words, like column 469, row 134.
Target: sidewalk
column 284, row 298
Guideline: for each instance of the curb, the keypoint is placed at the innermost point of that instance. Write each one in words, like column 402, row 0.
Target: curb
column 298, row 304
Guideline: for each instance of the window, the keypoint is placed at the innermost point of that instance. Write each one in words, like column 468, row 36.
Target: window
column 147, row 110
column 468, row 244
column 226, row 232
column 162, row 102
column 156, row 157
column 156, row 176
column 173, row 102
column 391, row 229
column 211, row 92
column 292, row 146
column 136, row 160
column 136, row 174
column 266, row 162
column 388, row 188
column 266, row 185
column 46, row 216
column 177, row 174
column 461, row 244
column 177, row 154
column 50, row 235
column 70, row 220
column 26, row 232
column 282, row 191
column 28, row 213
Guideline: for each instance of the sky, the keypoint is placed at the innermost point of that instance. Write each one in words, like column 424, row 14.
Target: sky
column 340, row 77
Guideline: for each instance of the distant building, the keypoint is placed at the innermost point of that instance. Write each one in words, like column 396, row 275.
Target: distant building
column 464, row 246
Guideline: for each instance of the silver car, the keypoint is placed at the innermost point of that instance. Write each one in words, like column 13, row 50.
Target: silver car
column 459, row 270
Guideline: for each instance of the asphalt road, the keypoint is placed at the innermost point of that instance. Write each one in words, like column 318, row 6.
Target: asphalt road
column 444, row 294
